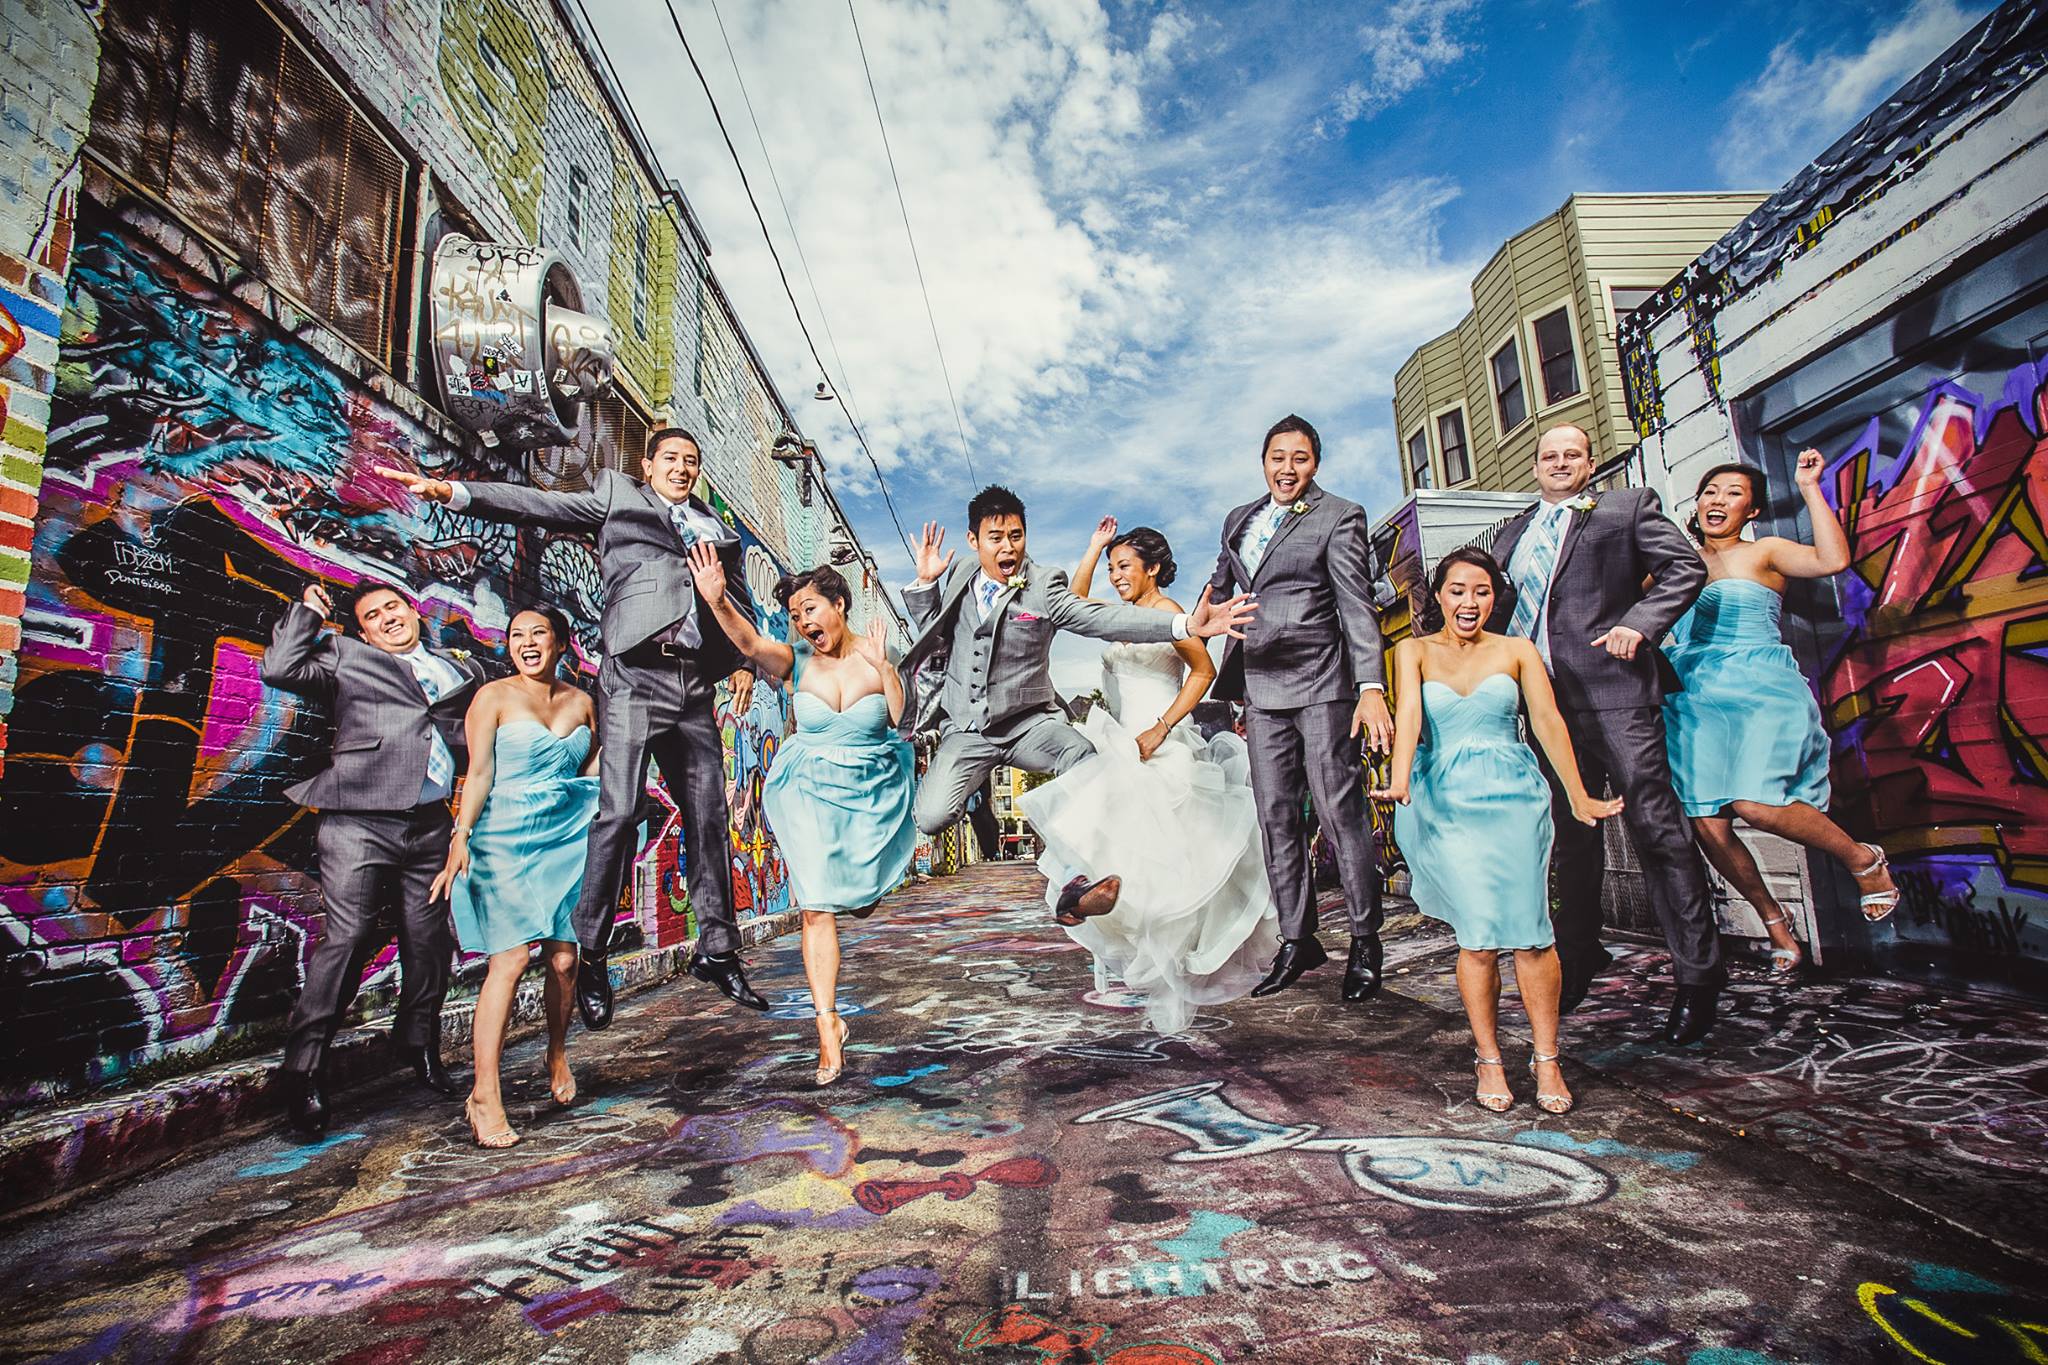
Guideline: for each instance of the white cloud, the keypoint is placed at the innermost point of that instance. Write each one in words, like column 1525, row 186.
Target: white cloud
column 1801, row 103
column 1413, row 39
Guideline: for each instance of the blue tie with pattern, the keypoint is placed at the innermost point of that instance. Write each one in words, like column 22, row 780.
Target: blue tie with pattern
column 1260, row 536
column 1532, row 585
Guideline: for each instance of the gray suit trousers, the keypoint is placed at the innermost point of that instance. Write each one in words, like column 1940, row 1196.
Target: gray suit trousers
column 653, row 706
column 1310, row 749
column 1625, row 749
column 361, row 854
column 1038, row 743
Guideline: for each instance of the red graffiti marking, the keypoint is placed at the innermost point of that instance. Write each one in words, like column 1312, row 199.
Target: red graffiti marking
column 1012, row 1325
column 1939, row 697
column 886, row 1196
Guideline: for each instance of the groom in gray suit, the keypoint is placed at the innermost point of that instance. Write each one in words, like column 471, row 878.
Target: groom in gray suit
column 397, row 708
column 984, row 648
column 664, row 652
column 1310, row 674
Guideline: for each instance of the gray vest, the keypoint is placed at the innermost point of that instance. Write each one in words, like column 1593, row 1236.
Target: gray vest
column 966, row 692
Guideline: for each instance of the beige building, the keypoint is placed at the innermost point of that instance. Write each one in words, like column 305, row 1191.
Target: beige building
column 1538, row 346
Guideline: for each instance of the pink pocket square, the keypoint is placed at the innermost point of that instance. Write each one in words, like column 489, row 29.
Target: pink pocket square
column 1029, row 616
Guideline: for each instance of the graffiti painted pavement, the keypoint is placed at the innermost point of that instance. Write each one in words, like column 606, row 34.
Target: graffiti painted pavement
column 1012, row 1171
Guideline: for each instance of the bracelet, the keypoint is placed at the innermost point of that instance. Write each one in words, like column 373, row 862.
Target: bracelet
column 464, row 830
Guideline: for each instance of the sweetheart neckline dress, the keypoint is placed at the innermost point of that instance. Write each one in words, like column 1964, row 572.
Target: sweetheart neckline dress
column 526, row 852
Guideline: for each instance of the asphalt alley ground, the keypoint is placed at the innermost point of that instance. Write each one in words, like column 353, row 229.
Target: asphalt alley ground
column 1014, row 1171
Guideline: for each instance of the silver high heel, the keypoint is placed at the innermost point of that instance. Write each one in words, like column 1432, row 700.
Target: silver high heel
column 1498, row 1101
column 1549, row 1102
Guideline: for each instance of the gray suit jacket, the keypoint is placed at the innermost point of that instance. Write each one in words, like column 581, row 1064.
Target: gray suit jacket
column 1017, row 672
column 1316, row 637
column 382, row 723
column 647, row 578
column 1597, row 584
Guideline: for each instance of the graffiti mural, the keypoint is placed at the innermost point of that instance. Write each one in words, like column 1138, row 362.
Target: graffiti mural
column 1937, row 693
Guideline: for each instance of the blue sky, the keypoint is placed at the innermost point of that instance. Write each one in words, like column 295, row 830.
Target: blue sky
column 1151, row 229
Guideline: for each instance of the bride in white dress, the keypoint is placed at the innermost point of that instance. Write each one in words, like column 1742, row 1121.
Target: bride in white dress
column 1169, row 812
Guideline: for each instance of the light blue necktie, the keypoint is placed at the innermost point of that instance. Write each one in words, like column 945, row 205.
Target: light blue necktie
column 1532, row 584
column 989, row 590
column 1260, row 536
column 440, row 763
column 679, row 517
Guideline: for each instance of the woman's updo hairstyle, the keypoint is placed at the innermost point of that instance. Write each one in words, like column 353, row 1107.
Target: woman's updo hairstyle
column 1750, row 473
column 558, row 624
column 1431, row 618
column 1151, row 547
column 829, row 583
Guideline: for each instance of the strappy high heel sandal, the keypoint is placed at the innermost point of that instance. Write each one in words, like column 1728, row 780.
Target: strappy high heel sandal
column 503, row 1137
column 829, row 1074
column 563, row 1096
column 1498, row 1101
column 1881, row 902
column 1784, row 961
column 1549, row 1101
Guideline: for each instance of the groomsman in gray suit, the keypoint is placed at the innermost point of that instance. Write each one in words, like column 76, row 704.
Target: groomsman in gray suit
column 383, row 801
column 1576, row 565
column 1312, row 678
column 664, row 653
column 981, row 665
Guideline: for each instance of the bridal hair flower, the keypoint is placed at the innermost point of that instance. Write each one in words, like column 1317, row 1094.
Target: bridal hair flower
column 1015, row 580
column 1582, row 503
column 1299, row 509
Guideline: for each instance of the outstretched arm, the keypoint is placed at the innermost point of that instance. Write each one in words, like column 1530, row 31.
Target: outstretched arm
column 1555, row 738
column 302, row 656
column 1201, row 673
column 1677, row 573
column 1084, row 572
column 709, row 572
column 480, row 725
column 1829, row 553
column 922, row 597
column 510, row 502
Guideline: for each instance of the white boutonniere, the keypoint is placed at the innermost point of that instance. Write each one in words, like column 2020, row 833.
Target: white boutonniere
column 1300, row 509
column 1015, row 580
column 1583, row 503
column 459, row 655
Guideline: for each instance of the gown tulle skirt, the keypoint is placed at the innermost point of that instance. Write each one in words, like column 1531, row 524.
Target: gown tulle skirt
column 526, row 852
column 838, row 798
column 1746, row 726
column 1195, row 924
column 1476, row 829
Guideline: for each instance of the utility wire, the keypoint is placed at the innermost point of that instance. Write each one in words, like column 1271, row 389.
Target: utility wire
column 831, row 342
column 783, row 275
column 904, row 208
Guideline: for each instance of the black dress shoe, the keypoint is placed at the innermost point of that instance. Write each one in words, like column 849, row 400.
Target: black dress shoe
column 724, row 973
column 1296, row 956
column 427, row 1068
column 1082, row 899
column 305, row 1103
column 1362, row 972
column 594, row 990
column 1578, row 980
column 1692, row 1014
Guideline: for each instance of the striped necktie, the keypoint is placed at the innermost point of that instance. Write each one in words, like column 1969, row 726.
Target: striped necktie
column 1532, row 584
column 1260, row 536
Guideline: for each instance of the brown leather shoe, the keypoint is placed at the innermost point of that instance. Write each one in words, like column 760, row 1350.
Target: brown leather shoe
column 1082, row 899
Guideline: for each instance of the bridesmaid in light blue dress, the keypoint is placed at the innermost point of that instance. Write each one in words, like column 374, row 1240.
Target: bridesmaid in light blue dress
column 1473, row 819
column 838, row 795
column 1745, row 734
column 515, row 861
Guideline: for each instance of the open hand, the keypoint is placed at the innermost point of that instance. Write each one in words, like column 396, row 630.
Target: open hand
column 872, row 644
column 1105, row 532
column 1370, row 715
column 1806, row 474
column 319, row 599
column 1222, row 618
column 929, row 563
column 708, row 569
column 1621, row 642
column 1590, row 810
column 433, row 490
column 1393, row 791
column 456, row 866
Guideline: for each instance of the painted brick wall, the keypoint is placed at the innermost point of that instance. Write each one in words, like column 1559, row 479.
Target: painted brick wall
column 211, row 442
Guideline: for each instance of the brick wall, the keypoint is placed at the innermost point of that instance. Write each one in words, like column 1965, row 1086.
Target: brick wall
column 212, row 431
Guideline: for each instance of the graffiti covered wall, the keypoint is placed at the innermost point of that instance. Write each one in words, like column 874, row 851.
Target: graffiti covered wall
column 1888, row 307
column 221, row 400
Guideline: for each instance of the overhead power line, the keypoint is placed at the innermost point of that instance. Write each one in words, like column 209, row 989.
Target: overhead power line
column 783, row 275
column 918, row 265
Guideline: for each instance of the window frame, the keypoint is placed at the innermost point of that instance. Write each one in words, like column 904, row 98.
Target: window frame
column 1425, row 477
column 1502, row 431
column 1571, row 321
column 1611, row 323
column 576, row 211
column 1442, row 454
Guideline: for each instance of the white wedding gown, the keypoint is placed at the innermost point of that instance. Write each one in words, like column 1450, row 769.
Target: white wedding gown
column 1195, row 922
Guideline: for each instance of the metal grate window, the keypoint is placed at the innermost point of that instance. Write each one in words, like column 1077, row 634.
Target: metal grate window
column 213, row 107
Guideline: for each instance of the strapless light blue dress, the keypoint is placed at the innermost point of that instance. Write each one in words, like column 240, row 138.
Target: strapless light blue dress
column 1746, row 727
column 838, row 801
column 526, row 852
column 1476, row 830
